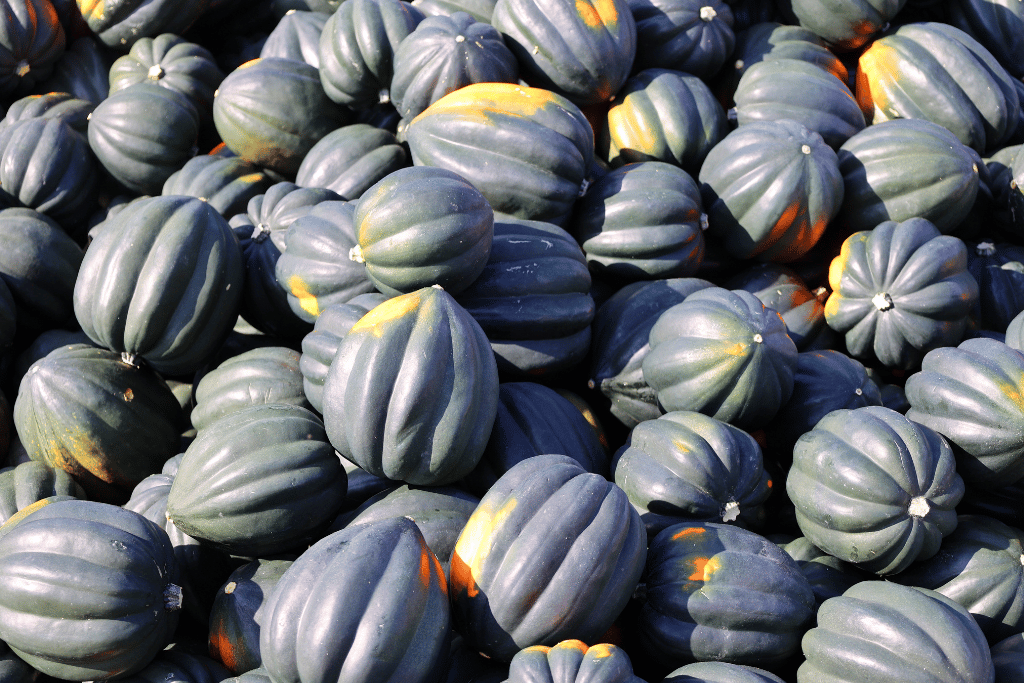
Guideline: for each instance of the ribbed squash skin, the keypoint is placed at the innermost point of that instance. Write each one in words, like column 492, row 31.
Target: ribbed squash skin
column 120, row 23
column 571, row 661
column 143, row 134
column 351, row 159
column 47, row 166
column 412, row 391
column 315, row 268
column 527, row 150
column 265, row 375
column 781, row 288
column 907, row 168
column 179, row 665
column 297, row 36
column 108, row 424
column 688, row 35
column 423, row 226
column 81, row 71
column 716, row 592
column 936, row 72
column 101, row 578
column 829, row 576
column 621, row 329
column 31, row 481
column 998, row 25
column 724, row 354
column 551, row 553
column 163, row 280
column 971, row 395
column 583, row 50
column 481, row 10
column 14, row 668
column 60, row 105
column 533, row 299
column 534, row 419
column 320, row 345
column 770, row 189
column 899, row 291
column 384, row 594
column 1008, row 659
column 234, row 637
column 272, row 111
column 225, row 183
column 32, row 41
column 443, row 54
column 688, row 467
column 642, row 221
column 878, row 628
column 357, row 49
column 999, row 272
column 979, row 566
column 258, row 481
column 873, row 488
column 171, row 62
column 720, row 672
column 663, row 115
column 847, row 24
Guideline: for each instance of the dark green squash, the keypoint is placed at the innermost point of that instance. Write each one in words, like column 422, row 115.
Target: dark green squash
column 782, row 289
column 532, row 299
column 82, row 71
column 527, row 150
column 551, row 553
column 662, row 115
column 234, row 636
column 572, row 661
column 694, row 36
column 357, row 49
column 481, row 10
column 846, row 24
column 32, row 41
column 265, row 375
column 120, row 23
column 720, row 672
column 443, row 54
column 979, row 567
column 1008, row 659
column 936, row 72
column 422, row 226
column 272, row 111
column 770, row 189
column 225, row 183
column 258, row 481
column 998, row 269
column 31, row 481
column 829, row 576
column 107, row 423
column 412, row 391
column 297, row 36
column 642, row 221
column 583, row 49
column 320, row 345
column 882, row 628
column 54, row 105
column 804, row 92
column 91, row 592
column 998, row 25
column 688, row 467
column 351, row 159
column 724, row 354
column 163, row 281
column 621, row 330
column 177, row 664
column 716, row 592
column 906, row 168
column 143, row 134
column 383, row 592
column 315, row 269
column 899, row 291
column 971, row 395
column 873, row 488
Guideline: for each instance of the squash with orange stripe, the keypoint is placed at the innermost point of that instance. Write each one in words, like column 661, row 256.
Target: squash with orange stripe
column 718, row 592
column 572, row 661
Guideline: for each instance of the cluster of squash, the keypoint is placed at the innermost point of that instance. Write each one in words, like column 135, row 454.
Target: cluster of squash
column 472, row 341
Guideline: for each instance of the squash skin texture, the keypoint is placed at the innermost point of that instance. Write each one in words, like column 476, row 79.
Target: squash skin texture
column 31, row 481
column 163, row 280
column 412, row 391
column 718, row 592
column 846, row 24
column 120, row 23
column 32, row 42
column 384, row 594
column 720, row 672
column 873, row 488
column 971, row 394
column 103, row 581
column 528, row 150
column 724, row 354
column 883, row 630
column 551, row 553
column 571, row 661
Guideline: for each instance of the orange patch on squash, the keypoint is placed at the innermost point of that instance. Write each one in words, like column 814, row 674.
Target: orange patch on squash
column 474, row 545
column 220, row 649
column 703, row 568
column 307, row 301
column 878, row 65
column 597, row 13
column 601, row 651
column 480, row 100
column 392, row 309
column 690, row 531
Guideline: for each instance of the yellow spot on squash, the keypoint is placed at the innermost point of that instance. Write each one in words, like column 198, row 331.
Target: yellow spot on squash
column 597, row 13
column 601, row 651
column 480, row 100
column 630, row 132
column 474, row 545
column 703, row 568
column 92, row 10
column 573, row 644
column 392, row 309
column 300, row 291
column 687, row 532
column 878, row 65
column 25, row 512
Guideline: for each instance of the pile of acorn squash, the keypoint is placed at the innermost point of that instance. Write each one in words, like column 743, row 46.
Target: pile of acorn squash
column 472, row 341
